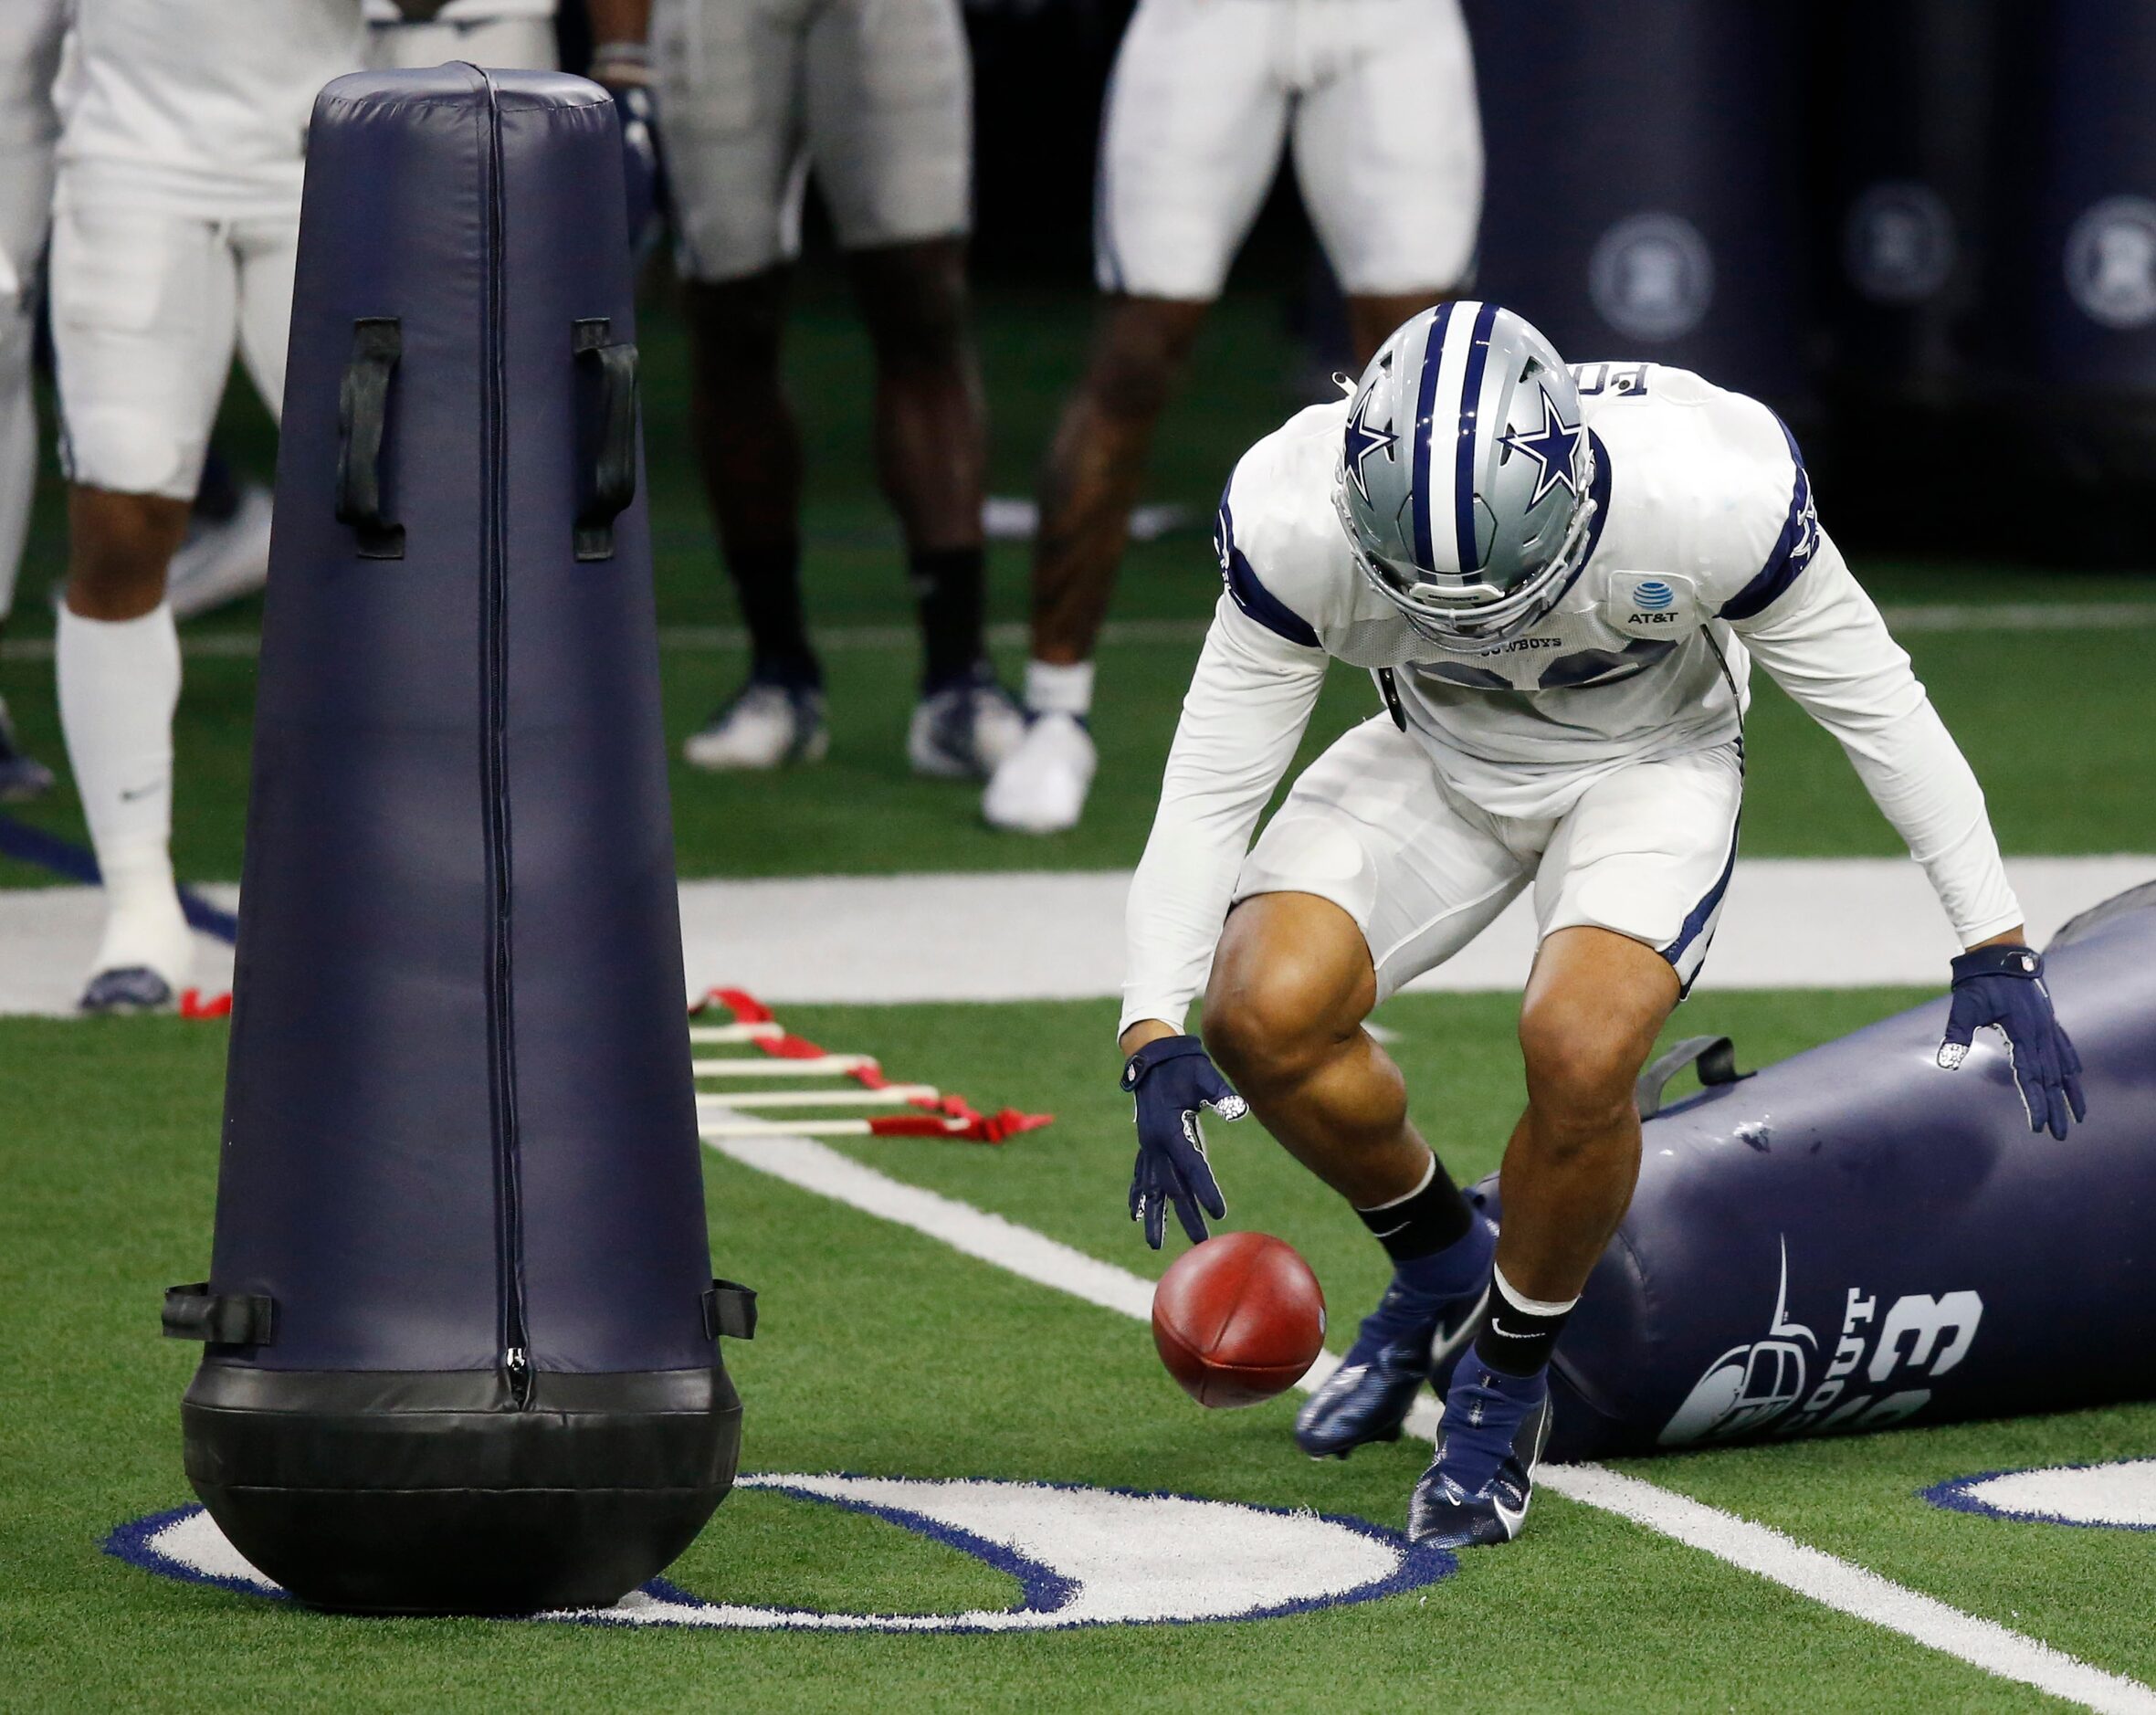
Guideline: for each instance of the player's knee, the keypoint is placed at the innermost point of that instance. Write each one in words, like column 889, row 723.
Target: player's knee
column 1269, row 1022
column 737, row 324
column 916, row 311
column 1580, row 1066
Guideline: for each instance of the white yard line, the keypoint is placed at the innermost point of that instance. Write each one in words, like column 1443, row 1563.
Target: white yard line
column 1756, row 1548
column 1059, row 935
column 706, row 639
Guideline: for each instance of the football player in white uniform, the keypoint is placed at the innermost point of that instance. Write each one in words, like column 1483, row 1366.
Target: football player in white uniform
column 874, row 98
column 1559, row 579
column 30, row 36
column 1379, row 99
column 175, row 219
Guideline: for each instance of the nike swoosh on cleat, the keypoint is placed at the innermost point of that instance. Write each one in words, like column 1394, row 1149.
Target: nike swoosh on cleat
column 127, row 797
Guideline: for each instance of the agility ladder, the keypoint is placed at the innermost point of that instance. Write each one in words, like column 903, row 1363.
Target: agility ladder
column 778, row 1053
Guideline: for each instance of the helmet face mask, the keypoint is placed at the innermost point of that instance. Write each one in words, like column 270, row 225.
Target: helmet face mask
column 1465, row 476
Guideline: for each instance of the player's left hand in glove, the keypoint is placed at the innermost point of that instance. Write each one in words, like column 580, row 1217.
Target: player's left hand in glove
column 2004, row 986
column 1170, row 1080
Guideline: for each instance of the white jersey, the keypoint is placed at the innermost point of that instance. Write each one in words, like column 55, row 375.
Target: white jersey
column 201, row 105
column 1707, row 554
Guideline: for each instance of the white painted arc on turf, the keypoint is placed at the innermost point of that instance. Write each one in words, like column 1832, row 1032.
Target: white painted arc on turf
column 2121, row 1493
column 698, row 639
column 1853, row 1590
column 1133, row 1558
column 1757, row 1548
column 1058, row 935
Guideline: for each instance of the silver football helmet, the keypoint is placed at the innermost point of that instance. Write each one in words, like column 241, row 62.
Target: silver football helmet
column 1465, row 477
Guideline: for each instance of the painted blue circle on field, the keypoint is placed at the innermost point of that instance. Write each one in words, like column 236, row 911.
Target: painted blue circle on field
column 1081, row 1557
column 2117, row 1495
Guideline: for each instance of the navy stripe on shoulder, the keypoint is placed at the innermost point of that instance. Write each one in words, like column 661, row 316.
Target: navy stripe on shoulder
column 1793, row 549
column 1249, row 594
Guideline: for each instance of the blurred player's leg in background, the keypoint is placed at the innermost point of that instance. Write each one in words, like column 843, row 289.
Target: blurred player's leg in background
column 876, row 96
column 729, row 78
column 1388, row 150
column 889, row 112
column 30, row 35
column 176, row 224
column 1191, row 131
column 144, row 313
column 1388, row 153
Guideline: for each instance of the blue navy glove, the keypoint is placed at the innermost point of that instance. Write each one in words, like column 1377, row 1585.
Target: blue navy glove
column 624, row 70
column 644, row 169
column 2004, row 986
column 1171, row 1080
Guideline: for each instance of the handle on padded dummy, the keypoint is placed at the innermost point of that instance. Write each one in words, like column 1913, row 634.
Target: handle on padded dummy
column 607, row 434
column 363, row 414
column 1716, row 1058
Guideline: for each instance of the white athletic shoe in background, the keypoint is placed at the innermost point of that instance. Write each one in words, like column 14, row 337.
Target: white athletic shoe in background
column 148, row 951
column 964, row 731
column 1041, row 786
column 763, row 725
column 222, row 560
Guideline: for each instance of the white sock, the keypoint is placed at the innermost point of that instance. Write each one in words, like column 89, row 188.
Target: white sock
column 119, row 682
column 1053, row 690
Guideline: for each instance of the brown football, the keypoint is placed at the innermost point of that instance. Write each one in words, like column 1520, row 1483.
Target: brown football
column 1238, row 1319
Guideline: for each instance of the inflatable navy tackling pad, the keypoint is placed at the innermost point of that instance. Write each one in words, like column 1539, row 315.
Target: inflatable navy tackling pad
column 461, row 1315
column 1854, row 1238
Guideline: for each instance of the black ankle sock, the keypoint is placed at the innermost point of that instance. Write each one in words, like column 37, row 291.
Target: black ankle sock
column 1515, row 1340
column 768, row 582
column 951, row 585
column 1433, row 1219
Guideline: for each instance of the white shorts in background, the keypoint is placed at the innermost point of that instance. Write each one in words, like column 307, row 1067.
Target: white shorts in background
column 1379, row 96
column 147, row 306
column 492, row 43
column 875, row 96
column 1645, row 852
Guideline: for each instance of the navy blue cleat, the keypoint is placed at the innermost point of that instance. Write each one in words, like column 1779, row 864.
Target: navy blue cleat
column 1409, row 1340
column 135, row 988
column 1476, row 1492
column 22, row 778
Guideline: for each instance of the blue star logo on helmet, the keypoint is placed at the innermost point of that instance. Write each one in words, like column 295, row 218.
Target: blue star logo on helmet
column 1363, row 440
column 1554, row 446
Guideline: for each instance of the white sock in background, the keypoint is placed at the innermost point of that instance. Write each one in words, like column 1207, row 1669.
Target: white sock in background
column 1053, row 690
column 119, row 682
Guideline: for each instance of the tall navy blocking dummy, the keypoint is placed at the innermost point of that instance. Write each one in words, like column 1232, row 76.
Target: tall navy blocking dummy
column 460, row 1316
column 1559, row 578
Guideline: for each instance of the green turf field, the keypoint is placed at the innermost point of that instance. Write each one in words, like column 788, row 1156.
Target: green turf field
column 883, row 1352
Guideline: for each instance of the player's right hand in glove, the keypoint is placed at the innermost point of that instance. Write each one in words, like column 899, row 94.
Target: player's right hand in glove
column 1170, row 1078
